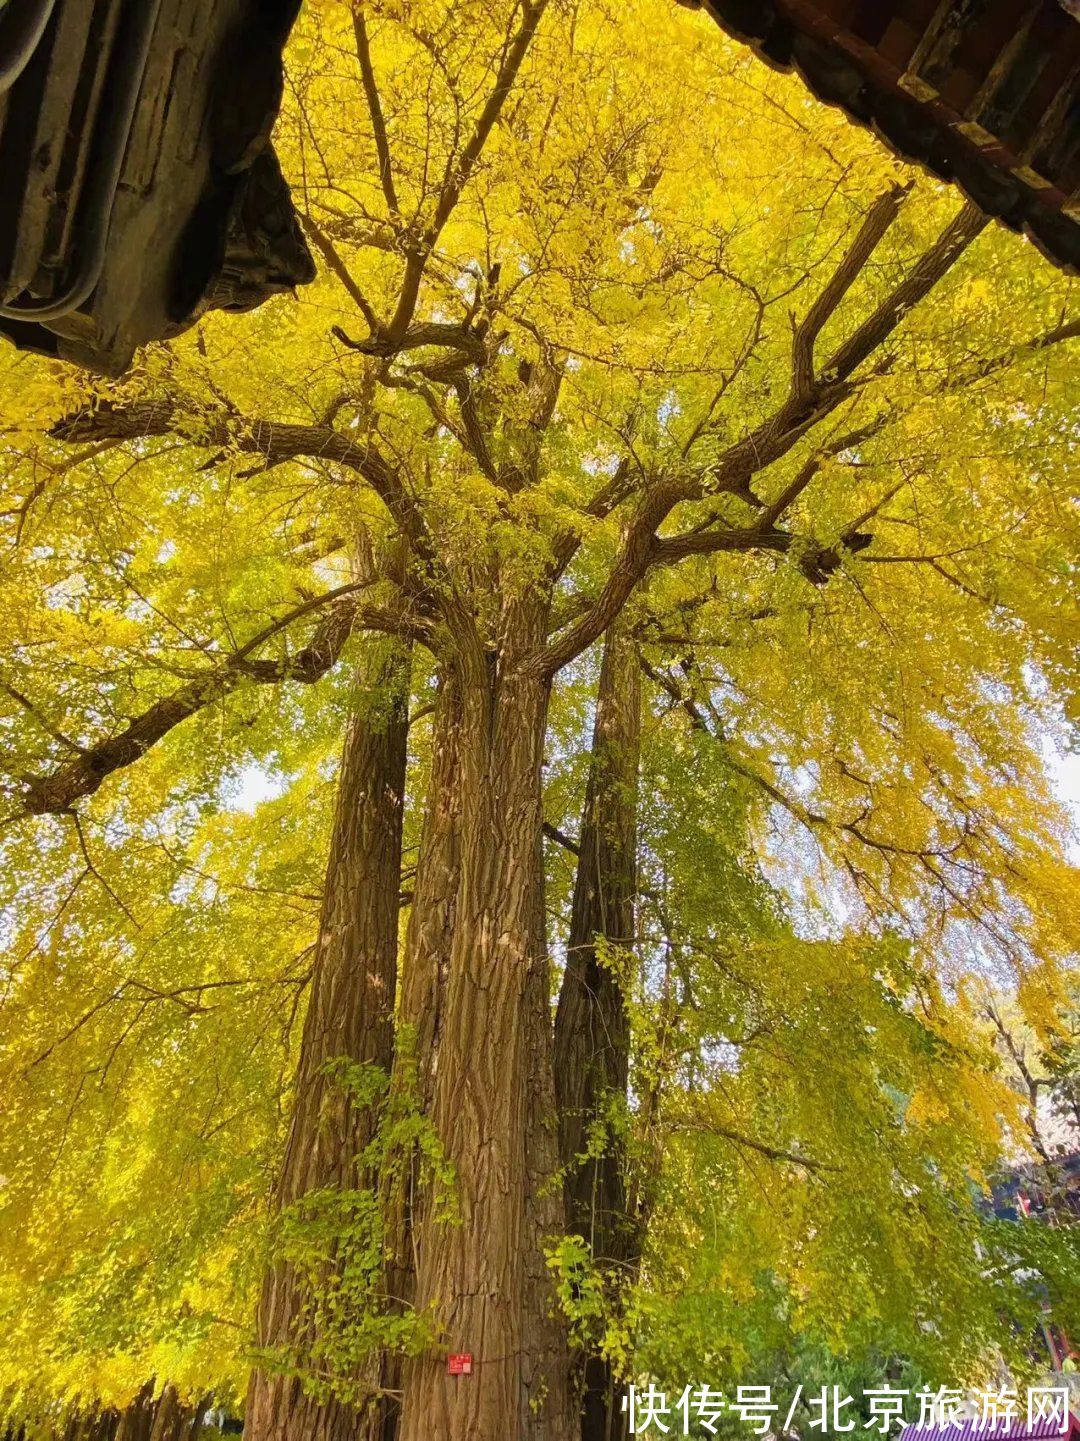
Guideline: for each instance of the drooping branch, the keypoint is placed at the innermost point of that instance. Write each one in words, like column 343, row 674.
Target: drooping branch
column 59, row 790
column 945, row 863
column 42, row 722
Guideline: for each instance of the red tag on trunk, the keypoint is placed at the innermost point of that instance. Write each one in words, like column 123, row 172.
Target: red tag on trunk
column 459, row 1364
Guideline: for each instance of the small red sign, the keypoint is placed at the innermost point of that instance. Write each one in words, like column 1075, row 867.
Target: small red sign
column 459, row 1364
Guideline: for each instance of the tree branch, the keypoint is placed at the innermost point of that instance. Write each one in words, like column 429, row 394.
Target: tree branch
column 459, row 169
column 925, row 274
column 878, row 220
column 276, row 441
column 329, row 252
column 375, row 110
column 561, row 838
column 762, row 447
column 57, row 792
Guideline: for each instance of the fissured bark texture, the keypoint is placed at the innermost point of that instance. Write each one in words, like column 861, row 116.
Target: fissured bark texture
column 592, row 1031
column 480, row 1274
column 350, row 1014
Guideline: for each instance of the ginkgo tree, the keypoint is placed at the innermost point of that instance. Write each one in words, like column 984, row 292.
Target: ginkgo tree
column 620, row 343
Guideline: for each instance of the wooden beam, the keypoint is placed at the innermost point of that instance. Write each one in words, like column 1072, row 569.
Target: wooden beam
column 932, row 62
column 982, row 111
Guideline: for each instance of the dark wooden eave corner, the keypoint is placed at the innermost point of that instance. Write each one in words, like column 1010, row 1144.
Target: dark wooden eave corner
column 138, row 183
column 984, row 93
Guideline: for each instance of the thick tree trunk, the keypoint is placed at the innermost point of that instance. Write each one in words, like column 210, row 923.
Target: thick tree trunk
column 137, row 1419
column 169, row 1416
column 592, row 1031
column 473, row 1272
column 424, row 968
column 350, row 1014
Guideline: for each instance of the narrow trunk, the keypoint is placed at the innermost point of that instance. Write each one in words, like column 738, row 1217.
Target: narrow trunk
column 426, row 960
column 350, row 1014
column 174, row 1420
column 549, row 1395
column 592, row 1031
column 195, row 1419
column 472, row 1271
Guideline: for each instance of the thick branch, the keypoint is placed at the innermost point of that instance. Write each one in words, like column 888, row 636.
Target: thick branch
column 878, row 220
column 375, row 110
column 637, row 553
column 924, row 275
column 476, row 437
column 276, row 441
column 417, row 337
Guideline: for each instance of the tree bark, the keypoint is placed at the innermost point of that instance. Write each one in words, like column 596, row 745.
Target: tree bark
column 137, row 1419
column 168, row 1417
column 592, row 1030
column 195, row 1419
column 426, row 959
column 424, row 968
column 549, row 1397
column 472, row 1272
column 350, row 1014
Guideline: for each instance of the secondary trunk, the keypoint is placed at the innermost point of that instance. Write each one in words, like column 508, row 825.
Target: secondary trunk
column 426, row 960
column 350, row 1014
column 473, row 1272
column 592, row 1031
column 549, row 1395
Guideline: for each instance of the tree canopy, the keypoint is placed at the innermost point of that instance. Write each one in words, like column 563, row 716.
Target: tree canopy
column 613, row 326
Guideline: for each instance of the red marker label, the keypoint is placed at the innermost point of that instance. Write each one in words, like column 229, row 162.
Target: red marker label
column 459, row 1364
